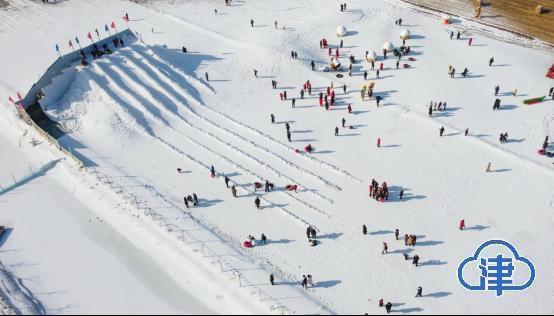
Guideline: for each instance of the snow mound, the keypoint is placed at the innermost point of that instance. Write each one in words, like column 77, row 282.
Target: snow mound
column 342, row 31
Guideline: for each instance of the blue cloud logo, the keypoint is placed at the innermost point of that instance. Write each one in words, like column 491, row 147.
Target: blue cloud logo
column 497, row 272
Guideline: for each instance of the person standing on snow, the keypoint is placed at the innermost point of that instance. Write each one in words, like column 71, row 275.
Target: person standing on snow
column 419, row 292
column 336, row 131
column 343, row 123
column 186, row 202
column 257, row 202
column 207, row 77
column 313, row 65
column 496, row 89
column 385, row 249
column 255, row 73
column 349, row 108
column 430, row 111
column 462, row 224
column 378, row 142
column 275, row 23
column 365, row 75
column 234, row 191
column 441, row 130
column 272, row 119
column 470, row 41
column 396, row 233
column 364, row 229
column 488, row 168
column 388, row 307
column 227, row 182
column 551, row 91
column 289, row 137
column 415, row 260
column 252, row 22
column 491, row 61
column 293, row 103
column 212, row 171
column 271, row 279
column 378, row 100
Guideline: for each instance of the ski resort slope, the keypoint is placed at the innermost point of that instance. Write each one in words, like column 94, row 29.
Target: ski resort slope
column 137, row 115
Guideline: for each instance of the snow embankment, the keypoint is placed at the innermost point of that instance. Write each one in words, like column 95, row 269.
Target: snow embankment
column 15, row 298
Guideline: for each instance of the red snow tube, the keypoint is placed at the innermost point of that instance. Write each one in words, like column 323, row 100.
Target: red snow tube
column 257, row 185
column 550, row 73
column 291, row 187
column 247, row 244
column 541, row 152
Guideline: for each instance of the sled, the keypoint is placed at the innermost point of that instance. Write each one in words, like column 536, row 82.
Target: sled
column 247, row 244
column 550, row 73
column 406, row 66
column 534, row 100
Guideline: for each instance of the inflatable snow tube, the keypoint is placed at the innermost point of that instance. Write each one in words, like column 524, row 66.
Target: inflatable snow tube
column 247, row 244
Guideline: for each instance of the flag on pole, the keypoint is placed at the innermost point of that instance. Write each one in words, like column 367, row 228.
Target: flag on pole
column 11, row 99
column 57, row 48
column 70, row 44
column 89, row 35
column 97, row 34
column 113, row 25
column 107, row 29
column 19, row 96
column 77, row 40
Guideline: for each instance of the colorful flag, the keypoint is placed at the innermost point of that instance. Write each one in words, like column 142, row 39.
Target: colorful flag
column 113, row 25
column 70, row 44
column 57, row 48
column 10, row 99
column 19, row 96
column 77, row 40
column 106, row 28
column 89, row 36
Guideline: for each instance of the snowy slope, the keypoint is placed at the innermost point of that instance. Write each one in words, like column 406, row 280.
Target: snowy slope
column 141, row 113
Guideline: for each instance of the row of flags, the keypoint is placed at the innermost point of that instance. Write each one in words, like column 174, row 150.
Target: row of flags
column 89, row 35
column 70, row 44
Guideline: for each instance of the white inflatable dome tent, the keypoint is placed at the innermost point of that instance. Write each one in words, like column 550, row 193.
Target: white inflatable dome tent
column 404, row 34
column 388, row 47
column 342, row 31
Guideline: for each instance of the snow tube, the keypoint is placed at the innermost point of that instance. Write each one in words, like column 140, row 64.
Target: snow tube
column 340, row 75
column 541, row 152
column 291, row 187
column 308, row 150
column 534, row 100
column 247, row 244
column 406, row 66
column 411, row 59
column 257, row 185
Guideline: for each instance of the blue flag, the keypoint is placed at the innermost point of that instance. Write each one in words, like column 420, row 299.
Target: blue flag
column 77, row 40
column 106, row 28
column 57, row 48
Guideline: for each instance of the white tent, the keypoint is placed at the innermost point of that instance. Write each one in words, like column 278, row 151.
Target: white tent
column 342, row 31
column 388, row 46
column 404, row 34
column 371, row 56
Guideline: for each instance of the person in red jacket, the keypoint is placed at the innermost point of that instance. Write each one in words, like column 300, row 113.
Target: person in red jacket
column 462, row 224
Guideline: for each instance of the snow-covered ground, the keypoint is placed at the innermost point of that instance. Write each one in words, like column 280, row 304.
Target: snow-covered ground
column 136, row 116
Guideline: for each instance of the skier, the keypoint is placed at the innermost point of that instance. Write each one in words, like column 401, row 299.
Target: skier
column 272, row 279
column 302, row 94
column 257, row 202
column 227, row 182
column 377, row 73
column 388, row 307
column 491, row 61
column 385, row 249
column 272, row 119
column 462, row 224
column 415, row 260
column 263, row 239
column 266, row 186
column 419, row 292
column 336, row 131
column 234, row 191
column 212, row 171
column 364, row 229
column 441, row 130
